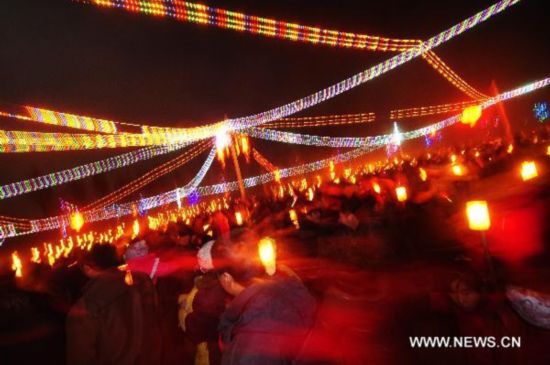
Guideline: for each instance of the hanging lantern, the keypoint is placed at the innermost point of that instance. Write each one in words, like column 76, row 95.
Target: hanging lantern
column 16, row 265
column 376, row 187
column 135, row 229
column 401, row 193
column 478, row 215
column 267, row 251
column 239, row 218
column 528, row 170
column 471, row 115
column 77, row 221
column 277, row 175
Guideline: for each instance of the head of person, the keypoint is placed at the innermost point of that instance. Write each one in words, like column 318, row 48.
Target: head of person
column 465, row 291
column 236, row 260
column 101, row 258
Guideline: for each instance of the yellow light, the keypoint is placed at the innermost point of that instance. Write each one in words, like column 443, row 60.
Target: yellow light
column 135, row 229
column 457, row 170
column 548, row 151
column 376, row 187
column 401, row 193
column 528, row 170
column 239, row 218
column 267, row 250
column 77, row 221
column 294, row 218
column 35, row 255
column 478, row 215
column 128, row 279
column 16, row 265
column 319, row 181
column 510, row 148
column 352, row 179
column 423, row 174
column 470, row 115
column 332, row 175
column 310, row 194
column 453, row 158
column 277, row 174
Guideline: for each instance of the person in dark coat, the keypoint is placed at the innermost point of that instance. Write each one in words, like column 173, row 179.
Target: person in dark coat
column 116, row 319
column 269, row 317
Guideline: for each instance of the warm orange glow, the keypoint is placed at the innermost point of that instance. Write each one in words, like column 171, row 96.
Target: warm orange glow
column 332, row 175
column 319, row 181
column 294, row 218
column 471, row 114
column 510, row 148
column 239, row 218
column 548, row 151
column 128, row 279
column 35, row 255
column 16, row 265
column 528, row 170
column 353, row 179
column 135, row 229
column 453, row 158
column 77, row 221
column 458, row 170
column 376, row 187
column 478, row 215
column 401, row 193
column 423, row 174
column 310, row 194
column 267, row 250
column 245, row 146
column 277, row 174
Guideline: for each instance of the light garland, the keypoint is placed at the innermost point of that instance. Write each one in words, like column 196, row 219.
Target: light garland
column 322, row 121
column 201, row 14
column 25, row 141
column 149, row 177
column 429, row 110
column 79, row 172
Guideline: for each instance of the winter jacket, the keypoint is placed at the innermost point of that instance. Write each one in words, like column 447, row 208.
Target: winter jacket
column 267, row 323
column 114, row 323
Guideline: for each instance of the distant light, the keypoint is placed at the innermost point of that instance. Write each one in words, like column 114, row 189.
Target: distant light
column 77, row 221
column 267, row 251
column 423, row 174
column 16, row 265
column 376, row 187
column 239, row 218
column 478, row 215
column 510, row 148
column 135, row 229
column 458, row 170
column 294, row 218
column 528, row 170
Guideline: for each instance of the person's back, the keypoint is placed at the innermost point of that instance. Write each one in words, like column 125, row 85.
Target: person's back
column 267, row 322
column 115, row 321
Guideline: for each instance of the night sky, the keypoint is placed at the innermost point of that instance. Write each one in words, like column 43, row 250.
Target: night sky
column 110, row 64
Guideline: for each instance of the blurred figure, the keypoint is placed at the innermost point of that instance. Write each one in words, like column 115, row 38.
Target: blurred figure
column 116, row 319
column 269, row 317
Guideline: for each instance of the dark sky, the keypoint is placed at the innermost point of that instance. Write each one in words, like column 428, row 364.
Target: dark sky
column 111, row 64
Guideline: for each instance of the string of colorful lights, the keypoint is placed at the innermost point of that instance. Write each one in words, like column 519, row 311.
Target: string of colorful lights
column 17, row 141
column 322, row 121
column 201, row 14
column 176, row 194
column 79, row 172
column 150, row 176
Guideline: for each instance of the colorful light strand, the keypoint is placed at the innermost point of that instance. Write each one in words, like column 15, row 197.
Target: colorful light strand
column 322, row 121
column 79, row 172
column 422, row 111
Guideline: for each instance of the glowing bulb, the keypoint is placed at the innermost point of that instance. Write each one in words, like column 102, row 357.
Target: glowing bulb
column 277, row 174
column 376, row 187
column 453, row 158
column 478, row 215
column 310, row 194
column 510, row 148
column 35, row 255
column 528, row 170
column 294, row 218
column 267, row 251
column 77, row 221
column 548, row 151
column 401, row 193
column 16, row 265
column 457, row 170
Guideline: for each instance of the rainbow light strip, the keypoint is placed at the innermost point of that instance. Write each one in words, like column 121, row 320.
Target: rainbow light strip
column 27, row 141
column 80, row 172
column 201, row 14
column 71, row 120
column 171, row 196
column 149, row 177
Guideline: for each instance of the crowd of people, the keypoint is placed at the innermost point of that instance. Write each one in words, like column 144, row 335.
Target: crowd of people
column 359, row 268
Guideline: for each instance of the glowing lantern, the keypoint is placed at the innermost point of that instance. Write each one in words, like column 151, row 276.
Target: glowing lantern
column 239, row 218
column 423, row 174
column 331, row 165
column 458, row 170
column 376, row 187
column 528, row 170
column 223, row 140
column 453, row 158
column 77, row 221
column 318, row 178
column 548, row 151
column 128, row 279
column 245, row 146
column 135, row 229
column 277, row 174
column 510, row 148
column 16, row 264
column 352, row 179
column 294, row 218
column 35, row 255
column 309, row 194
column 478, row 215
column 470, row 115
column 267, row 251
column 401, row 193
